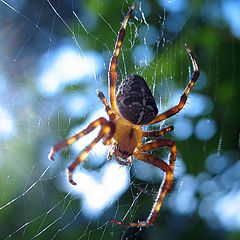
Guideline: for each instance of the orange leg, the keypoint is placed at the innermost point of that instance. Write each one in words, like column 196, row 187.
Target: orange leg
column 174, row 110
column 166, row 182
column 151, row 159
column 100, row 121
column 157, row 133
column 112, row 72
column 109, row 111
column 107, row 128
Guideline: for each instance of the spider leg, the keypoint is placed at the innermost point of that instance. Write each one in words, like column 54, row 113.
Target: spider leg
column 166, row 182
column 151, row 159
column 157, row 133
column 100, row 121
column 112, row 73
column 174, row 110
column 106, row 129
column 109, row 111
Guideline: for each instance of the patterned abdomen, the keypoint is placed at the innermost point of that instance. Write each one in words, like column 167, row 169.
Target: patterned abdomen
column 135, row 101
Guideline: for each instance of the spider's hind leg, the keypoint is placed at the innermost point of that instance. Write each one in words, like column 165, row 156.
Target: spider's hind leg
column 112, row 72
column 177, row 108
column 108, row 109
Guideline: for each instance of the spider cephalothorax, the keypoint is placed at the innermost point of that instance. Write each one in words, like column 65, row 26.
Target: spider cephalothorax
column 132, row 107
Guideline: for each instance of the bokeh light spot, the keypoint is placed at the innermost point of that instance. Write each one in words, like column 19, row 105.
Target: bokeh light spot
column 7, row 126
column 65, row 66
column 216, row 163
column 205, row 129
column 174, row 5
column 100, row 189
column 142, row 55
column 183, row 128
column 230, row 10
column 227, row 209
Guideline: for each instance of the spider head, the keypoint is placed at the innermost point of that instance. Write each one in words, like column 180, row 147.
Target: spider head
column 135, row 101
column 126, row 138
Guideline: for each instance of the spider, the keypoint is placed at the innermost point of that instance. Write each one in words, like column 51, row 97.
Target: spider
column 131, row 108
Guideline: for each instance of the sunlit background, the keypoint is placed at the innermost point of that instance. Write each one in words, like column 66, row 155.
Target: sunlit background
column 53, row 57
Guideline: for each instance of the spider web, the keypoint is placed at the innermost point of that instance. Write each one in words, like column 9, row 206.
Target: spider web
column 54, row 56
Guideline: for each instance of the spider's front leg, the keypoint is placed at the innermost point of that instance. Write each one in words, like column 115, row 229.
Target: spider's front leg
column 166, row 182
column 107, row 129
column 168, row 177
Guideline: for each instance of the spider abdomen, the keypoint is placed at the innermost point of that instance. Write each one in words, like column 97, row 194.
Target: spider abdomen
column 135, row 101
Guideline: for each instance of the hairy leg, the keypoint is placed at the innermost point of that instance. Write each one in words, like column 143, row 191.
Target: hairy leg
column 166, row 182
column 112, row 72
column 100, row 121
column 174, row 110
column 157, row 133
column 109, row 111
column 106, row 129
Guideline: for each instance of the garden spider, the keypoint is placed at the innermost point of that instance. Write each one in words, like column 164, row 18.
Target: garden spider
column 131, row 108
